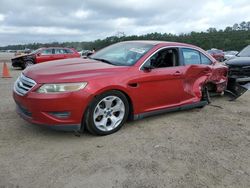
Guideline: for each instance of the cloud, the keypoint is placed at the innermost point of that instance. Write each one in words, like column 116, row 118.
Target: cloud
column 2, row 17
column 76, row 20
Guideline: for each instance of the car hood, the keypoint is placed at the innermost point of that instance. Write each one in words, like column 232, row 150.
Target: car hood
column 20, row 56
column 71, row 70
column 24, row 56
column 239, row 61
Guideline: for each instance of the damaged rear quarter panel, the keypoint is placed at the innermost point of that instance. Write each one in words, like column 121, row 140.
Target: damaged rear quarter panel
column 195, row 77
column 219, row 77
column 198, row 76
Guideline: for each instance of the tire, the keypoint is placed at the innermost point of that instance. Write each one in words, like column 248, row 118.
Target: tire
column 107, row 113
column 27, row 64
column 206, row 95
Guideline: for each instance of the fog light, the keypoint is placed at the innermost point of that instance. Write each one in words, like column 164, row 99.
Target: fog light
column 60, row 115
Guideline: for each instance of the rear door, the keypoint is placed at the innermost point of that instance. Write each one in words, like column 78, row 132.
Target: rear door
column 59, row 54
column 198, row 67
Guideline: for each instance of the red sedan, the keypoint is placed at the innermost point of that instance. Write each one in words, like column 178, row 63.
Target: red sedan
column 217, row 54
column 42, row 55
column 132, row 79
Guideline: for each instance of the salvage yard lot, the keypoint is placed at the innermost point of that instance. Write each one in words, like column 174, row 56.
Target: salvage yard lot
column 208, row 147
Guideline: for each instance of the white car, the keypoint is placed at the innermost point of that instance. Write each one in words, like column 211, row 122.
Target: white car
column 230, row 54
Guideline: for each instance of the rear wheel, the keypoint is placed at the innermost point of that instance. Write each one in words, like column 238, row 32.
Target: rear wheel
column 107, row 113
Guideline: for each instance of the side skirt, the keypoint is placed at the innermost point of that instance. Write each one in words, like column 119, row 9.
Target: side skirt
column 178, row 108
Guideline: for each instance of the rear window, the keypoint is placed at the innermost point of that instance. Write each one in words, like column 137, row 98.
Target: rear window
column 194, row 57
column 205, row 60
column 68, row 51
column 59, row 51
column 191, row 56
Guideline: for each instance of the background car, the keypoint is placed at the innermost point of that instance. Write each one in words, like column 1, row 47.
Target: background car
column 239, row 67
column 132, row 79
column 217, row 54
column 22, row 52
column 85, row 53
column 230, row 54
column 42, row 55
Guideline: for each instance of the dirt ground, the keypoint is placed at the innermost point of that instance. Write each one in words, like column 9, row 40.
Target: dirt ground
column 208, row 147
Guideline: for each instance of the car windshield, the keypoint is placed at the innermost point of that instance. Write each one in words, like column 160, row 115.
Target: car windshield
column 122, row 54
column 245, row 52
column 36, row 51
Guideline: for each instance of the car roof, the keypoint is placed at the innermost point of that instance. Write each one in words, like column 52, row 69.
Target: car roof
column 57, row 47
column 156, row 42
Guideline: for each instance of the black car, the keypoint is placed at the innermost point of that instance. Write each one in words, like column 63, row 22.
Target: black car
column 239, row 66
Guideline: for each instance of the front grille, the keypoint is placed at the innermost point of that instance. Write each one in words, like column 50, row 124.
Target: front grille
column 239, row 71
column 23, row 85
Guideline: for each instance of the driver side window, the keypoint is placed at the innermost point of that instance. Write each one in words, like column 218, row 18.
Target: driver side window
column 164, row 58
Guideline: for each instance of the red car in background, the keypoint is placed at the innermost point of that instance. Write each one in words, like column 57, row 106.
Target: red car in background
column 42, row 55
column 217, row 54
column 132, row 79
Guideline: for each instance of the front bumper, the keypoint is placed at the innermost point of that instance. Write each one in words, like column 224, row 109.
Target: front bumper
column 17, row 62
column 62, row 111
column 240, row 74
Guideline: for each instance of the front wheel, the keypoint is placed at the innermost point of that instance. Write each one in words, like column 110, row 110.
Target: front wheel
column 107, row 113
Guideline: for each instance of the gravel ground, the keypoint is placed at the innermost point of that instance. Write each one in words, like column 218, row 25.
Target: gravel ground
column 208, row 147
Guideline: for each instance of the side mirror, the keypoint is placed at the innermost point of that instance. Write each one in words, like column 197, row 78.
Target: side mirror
column 149, row 66
column 39, row 54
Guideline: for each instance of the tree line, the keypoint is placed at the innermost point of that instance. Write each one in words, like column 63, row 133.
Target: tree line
column 231, row 38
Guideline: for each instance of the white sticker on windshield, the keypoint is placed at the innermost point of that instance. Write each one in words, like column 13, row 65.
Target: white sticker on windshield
column 138, row 50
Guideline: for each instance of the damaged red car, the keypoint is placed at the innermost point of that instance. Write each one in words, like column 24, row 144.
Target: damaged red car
column 127, row 80
column 43, row 55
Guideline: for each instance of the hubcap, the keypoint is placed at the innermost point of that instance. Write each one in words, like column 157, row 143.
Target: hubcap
column 109, row 113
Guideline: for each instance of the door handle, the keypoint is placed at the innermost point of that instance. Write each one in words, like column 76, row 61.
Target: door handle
column 134, row 85
column 177, row 73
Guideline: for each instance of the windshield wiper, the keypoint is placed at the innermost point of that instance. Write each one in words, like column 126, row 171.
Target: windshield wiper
column 103, row 60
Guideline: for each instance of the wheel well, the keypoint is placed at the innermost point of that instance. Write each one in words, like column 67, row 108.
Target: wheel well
column 211, row 87
column 131, row 107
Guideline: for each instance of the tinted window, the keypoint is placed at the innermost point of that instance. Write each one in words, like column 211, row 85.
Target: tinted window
column 205, row 60
column 68, row 51
column 164, row 58
column 36, row 51
column 47, row 52
column 191, row 56
column 59, row 51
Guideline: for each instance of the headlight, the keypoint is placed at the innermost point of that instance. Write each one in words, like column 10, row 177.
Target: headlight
column 65, row 87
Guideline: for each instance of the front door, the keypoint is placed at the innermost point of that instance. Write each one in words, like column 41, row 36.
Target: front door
column 161, row 86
